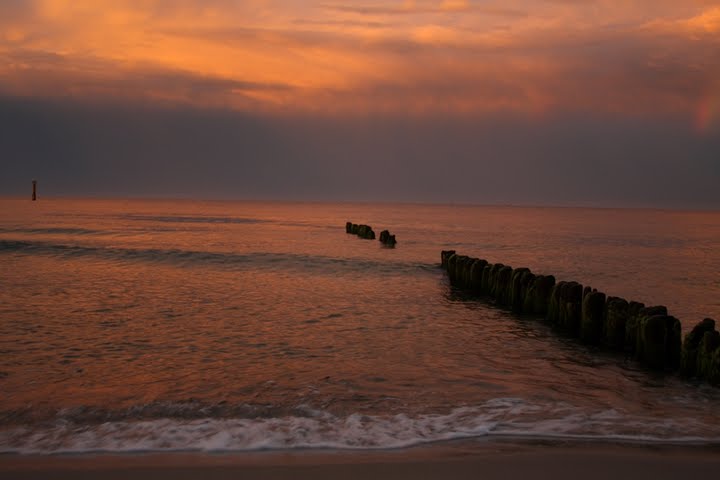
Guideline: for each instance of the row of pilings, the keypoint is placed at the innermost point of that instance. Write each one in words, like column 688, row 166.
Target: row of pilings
column 362, row 231
column 366, row 231
column 648, row 333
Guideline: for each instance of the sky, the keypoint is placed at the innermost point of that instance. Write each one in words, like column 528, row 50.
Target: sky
column 585, row 102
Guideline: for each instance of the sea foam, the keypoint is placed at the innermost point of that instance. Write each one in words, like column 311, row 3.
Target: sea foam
column 506, row 418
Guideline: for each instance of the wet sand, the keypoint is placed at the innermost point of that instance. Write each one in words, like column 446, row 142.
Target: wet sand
column 460, row 461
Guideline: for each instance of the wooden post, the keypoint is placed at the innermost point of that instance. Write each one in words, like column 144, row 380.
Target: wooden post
column 34, row 196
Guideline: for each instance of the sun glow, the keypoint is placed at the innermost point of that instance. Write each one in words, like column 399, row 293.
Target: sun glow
column 708, row 113
column 405, row 56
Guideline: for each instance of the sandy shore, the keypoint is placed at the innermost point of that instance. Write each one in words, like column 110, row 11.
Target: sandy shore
column 460, row 461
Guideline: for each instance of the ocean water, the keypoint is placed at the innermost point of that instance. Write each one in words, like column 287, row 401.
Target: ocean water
column 131, row 326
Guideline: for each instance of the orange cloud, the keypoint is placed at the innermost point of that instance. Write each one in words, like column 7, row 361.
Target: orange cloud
column 406, row 56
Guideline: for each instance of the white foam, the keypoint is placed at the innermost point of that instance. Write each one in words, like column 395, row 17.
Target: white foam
column 500, row 417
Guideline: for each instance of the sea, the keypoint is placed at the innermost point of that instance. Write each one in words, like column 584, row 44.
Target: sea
column 229, row 326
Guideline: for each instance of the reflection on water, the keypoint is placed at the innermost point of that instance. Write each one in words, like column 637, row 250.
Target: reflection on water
column 217, row 312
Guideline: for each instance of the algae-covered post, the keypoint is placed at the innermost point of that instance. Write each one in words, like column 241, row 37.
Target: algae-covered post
column 362, row 231
column 387, row 239
column 565, row 306
column 538, row 294
column 701, row 353
column 708, row 360
column 659, row 342
column 691, row 347
column 444, row 255
column 617, row 311
column 366, row 232
column 593, row 315
column 519, row 285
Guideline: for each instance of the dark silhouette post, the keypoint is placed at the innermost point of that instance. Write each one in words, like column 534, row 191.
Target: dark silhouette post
column 34, row 197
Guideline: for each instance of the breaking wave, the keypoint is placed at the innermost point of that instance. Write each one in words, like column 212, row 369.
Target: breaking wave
column 308, row 428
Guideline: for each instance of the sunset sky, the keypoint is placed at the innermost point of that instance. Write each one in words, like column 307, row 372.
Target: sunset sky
column 555, row 101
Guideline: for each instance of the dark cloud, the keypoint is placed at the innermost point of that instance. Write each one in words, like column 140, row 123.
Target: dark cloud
column 49, row 74
column 143, row 150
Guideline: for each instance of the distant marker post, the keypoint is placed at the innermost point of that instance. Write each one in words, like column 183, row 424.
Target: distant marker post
column 34, row 196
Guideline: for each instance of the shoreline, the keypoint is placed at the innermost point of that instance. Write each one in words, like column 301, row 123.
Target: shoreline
column 457, row 459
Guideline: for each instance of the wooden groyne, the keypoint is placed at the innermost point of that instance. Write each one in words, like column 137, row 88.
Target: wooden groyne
column 366, row 231
column 648, row 333
column 362, row 231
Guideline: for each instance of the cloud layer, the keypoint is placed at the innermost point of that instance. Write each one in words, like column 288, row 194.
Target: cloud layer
column 637, row 57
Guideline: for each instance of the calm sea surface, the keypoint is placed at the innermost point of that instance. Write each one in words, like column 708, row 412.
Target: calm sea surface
column 229, row 326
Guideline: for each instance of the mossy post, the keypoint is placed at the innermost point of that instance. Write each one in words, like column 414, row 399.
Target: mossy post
column 493, row 280
column 691, row 347
column 362, row 231
column 593, row 314
column 526, row 282
column 444, row 256
column 502, row 285
column 616, row 316
column 708, row 359
column 476, row 274
column 485, row 279
column 520, row 283
column 538, row 295
column 635, row 310
column 451, row 262
column 632, row 330
column 366, row 232
column 460, row 265
column 570, row 307
column 465, row 281
column 658, row 341
column 553, row 312
column 460, row 271
column 713, row 368
column 387, row 239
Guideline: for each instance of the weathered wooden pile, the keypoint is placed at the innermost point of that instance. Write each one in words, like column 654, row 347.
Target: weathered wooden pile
column 387, row 239
column 362, row 231
column 647, row 332
column 365, row 231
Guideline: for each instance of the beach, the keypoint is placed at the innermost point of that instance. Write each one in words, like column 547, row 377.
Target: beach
column 492, row 460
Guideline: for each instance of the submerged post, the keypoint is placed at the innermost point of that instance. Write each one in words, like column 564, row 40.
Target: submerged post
column 34, row 195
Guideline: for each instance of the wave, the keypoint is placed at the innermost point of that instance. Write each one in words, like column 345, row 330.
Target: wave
column 191, row 219
column 52, row 231
column 226, row 260
column 497, row 418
